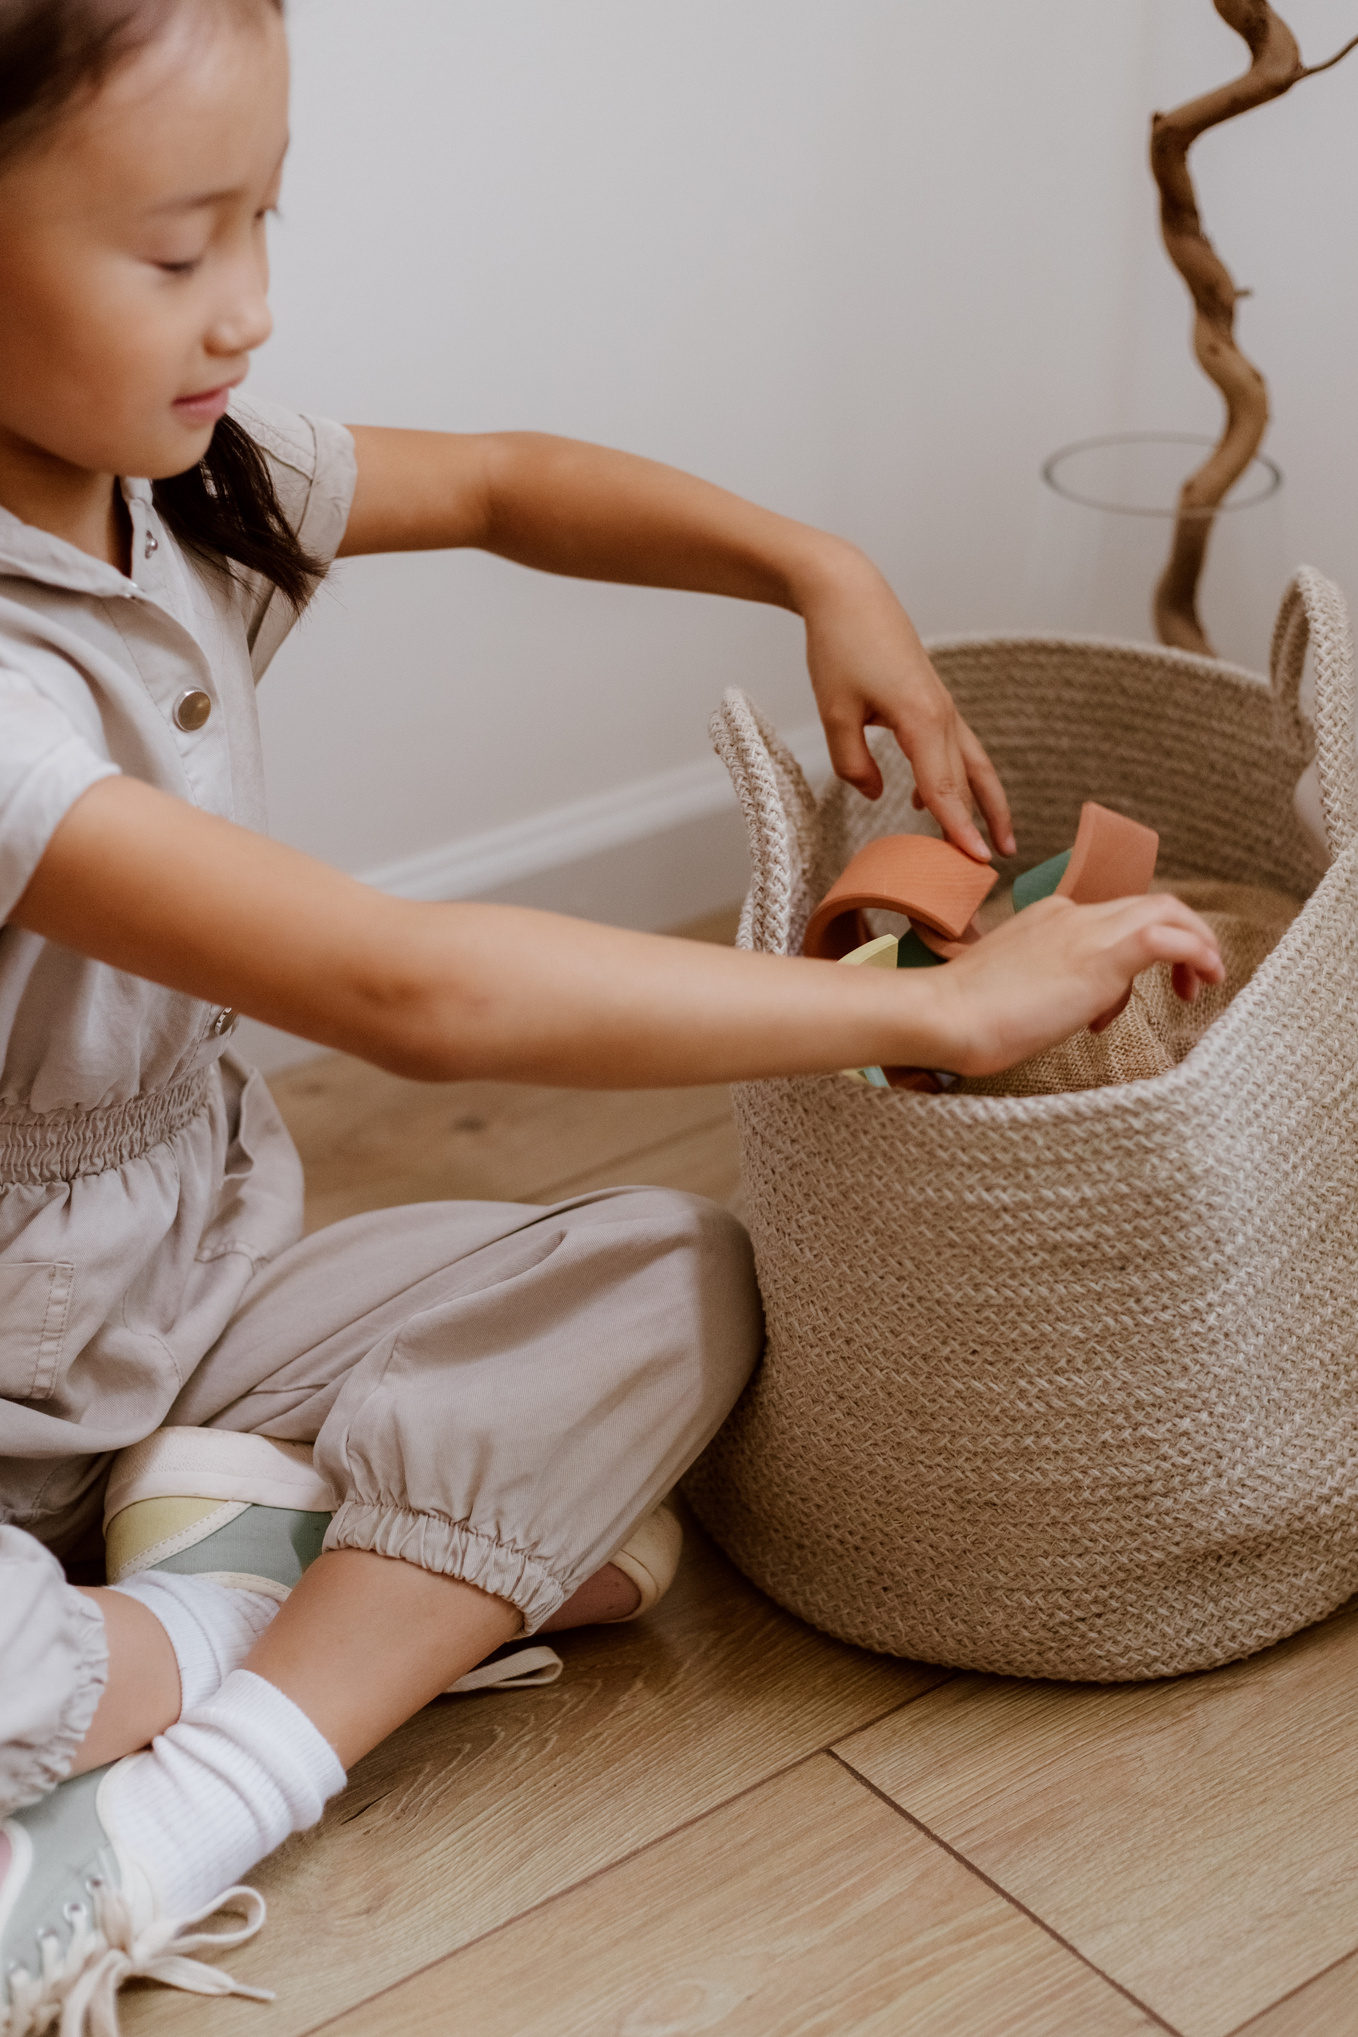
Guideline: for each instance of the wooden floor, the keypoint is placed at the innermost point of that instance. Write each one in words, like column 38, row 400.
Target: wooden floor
column 719, row 1821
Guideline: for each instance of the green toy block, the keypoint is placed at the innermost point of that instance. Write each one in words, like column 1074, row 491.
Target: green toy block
column 913, row 953
column 1039, row 882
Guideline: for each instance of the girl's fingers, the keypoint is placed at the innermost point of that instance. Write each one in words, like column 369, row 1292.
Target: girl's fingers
column 953, row 774
column 1126, row 936
column 1162, row 929
column 1186, row 981
column 987, row 790
column 943, row 786
column 850, row 756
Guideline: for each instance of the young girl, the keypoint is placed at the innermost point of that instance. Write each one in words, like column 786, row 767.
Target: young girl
column 496, row 1395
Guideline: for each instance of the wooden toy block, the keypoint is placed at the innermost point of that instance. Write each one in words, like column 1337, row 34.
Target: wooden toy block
column 878, row 954
column 1113, row 857
column 1041, row 881
column 927, row 880
column 936, row 945
column 914, row 952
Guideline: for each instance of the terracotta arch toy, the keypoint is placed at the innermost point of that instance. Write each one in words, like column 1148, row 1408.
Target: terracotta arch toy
column 928, row 880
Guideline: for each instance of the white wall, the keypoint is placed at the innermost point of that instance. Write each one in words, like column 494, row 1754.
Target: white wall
column 868, row 262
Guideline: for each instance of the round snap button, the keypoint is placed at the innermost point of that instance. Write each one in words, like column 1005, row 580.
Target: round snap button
column 192, row 709
column 225, row 1022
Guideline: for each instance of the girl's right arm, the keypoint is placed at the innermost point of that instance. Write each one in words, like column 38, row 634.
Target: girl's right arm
column 148, row 884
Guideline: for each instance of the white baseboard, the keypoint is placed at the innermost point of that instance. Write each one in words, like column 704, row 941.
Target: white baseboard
column 650, row 855
column 481, row 865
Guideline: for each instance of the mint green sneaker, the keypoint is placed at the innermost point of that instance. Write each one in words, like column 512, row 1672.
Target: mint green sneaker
column 80, row 1915
column 249, row 1512
column 246, row 1510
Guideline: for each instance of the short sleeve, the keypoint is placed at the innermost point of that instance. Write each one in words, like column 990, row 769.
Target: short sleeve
column 314, row 471
column 45, row 765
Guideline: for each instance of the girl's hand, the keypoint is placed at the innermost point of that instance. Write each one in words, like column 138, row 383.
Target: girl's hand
column 1057, row 967
column 870, row 670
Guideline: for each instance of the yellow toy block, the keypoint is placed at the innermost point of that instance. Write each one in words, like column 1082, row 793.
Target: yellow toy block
column 878, row 954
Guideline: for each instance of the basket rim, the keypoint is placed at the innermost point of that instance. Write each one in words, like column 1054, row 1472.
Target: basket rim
column 1060, row 640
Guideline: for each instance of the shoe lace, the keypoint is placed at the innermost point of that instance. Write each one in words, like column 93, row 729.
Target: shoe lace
column 79, row 1985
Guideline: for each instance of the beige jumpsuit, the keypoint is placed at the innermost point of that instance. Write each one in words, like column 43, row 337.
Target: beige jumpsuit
column 498, row 1391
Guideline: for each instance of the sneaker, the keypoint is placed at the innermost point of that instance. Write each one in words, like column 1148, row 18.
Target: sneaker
column 650, row 1557
column 80, row 1915
column 245, row 1510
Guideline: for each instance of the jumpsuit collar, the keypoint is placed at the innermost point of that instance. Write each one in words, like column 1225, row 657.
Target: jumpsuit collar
column 33, row 554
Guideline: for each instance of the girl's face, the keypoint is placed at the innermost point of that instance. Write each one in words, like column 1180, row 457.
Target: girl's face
column 133, row 269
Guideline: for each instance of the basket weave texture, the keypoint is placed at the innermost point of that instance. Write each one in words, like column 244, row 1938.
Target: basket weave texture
column 1067, row 1386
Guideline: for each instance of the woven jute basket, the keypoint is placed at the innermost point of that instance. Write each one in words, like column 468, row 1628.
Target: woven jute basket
column 1067, row 1385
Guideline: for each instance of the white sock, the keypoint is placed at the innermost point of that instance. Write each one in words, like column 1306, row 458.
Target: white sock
column 212, row 1627
column 223, row 1788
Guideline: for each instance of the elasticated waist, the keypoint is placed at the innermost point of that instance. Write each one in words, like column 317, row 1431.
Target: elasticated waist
column 58, row 1145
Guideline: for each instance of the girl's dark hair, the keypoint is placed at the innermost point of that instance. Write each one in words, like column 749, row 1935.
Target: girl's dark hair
column 226, row 509
column 54, row 52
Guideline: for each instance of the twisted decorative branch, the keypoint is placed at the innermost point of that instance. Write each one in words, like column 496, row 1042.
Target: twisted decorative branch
column 1275, row 67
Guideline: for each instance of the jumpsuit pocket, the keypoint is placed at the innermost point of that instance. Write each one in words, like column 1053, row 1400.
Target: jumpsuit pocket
column 35, row 1303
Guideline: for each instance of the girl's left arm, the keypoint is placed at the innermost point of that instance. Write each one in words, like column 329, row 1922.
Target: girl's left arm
column 565, row 507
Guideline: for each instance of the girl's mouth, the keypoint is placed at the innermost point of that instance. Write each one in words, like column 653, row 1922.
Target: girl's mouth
column 205, row 407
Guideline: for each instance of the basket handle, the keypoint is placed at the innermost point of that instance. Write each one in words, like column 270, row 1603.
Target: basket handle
column 1314, row 611
column 780, row 820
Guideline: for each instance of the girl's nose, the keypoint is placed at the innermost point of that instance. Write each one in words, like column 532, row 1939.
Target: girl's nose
column 243, row 328
column 242, row 325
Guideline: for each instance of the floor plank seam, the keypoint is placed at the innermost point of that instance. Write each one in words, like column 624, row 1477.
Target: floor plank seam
column 1291, row 1995
column 1006, row 1894
column 568, row 1888
column 905, row 1703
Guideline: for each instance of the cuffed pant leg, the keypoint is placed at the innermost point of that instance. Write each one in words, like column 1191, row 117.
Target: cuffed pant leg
column 53, row 1668
column 521, row 1385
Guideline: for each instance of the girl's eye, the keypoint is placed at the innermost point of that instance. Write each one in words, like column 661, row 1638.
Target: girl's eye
column 178, row 268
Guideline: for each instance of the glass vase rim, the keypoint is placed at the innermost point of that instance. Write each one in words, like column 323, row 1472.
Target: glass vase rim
column 1270, row 487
